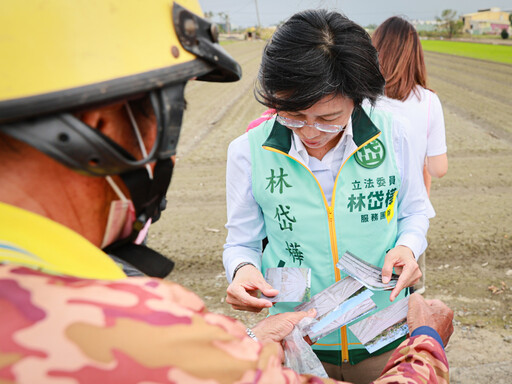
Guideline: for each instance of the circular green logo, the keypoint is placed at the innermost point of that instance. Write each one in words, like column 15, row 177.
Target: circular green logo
column 371, row 155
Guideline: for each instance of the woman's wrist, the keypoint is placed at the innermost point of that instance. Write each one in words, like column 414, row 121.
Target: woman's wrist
column 241, row 265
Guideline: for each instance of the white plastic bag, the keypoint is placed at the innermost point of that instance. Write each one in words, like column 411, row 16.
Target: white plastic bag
column 298, row 354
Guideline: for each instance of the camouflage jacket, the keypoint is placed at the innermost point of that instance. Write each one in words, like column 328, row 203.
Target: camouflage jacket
column 65, row 329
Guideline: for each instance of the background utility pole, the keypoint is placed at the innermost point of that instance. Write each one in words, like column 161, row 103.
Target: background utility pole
column 257, row 14
column 226, row 27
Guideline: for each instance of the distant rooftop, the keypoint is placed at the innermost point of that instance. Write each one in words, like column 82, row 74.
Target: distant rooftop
column 492, row 9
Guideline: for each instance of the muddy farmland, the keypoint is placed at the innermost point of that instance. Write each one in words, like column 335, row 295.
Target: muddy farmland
column 469, row 258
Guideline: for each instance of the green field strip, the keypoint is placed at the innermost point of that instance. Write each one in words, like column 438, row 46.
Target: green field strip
column 490, row 52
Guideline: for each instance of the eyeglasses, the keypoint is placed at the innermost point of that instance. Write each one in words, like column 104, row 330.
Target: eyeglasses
column 297, row 124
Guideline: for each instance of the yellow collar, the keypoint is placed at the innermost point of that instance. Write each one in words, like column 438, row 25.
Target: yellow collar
column 37, row 242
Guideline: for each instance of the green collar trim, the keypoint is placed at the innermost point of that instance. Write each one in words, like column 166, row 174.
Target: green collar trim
column 363, row 129
column 280, row 138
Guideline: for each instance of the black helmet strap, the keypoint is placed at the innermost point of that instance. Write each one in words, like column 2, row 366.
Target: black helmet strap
column 147, row 194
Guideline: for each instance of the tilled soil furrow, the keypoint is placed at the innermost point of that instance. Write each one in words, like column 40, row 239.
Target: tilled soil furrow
column 475, row 89
column 492, row 88
column 490, row 114
column 210, row 102
column 478, row 68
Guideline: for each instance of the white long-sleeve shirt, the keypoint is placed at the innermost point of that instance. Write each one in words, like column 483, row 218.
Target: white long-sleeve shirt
column 245, row 225
column 424, row 111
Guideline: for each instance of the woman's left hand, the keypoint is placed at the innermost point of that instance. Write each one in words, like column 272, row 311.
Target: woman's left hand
column 402, row 259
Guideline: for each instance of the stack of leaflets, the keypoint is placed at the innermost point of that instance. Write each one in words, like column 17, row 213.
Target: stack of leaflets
column 293, row 284
column 336, row 306
column 383, row 327
column 368, row 274
column 344, row 302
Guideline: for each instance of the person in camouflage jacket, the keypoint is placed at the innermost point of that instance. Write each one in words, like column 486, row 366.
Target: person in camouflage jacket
column 88, row 128
column 141, row 329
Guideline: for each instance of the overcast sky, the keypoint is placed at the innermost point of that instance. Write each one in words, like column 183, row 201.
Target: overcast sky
column 243, row 12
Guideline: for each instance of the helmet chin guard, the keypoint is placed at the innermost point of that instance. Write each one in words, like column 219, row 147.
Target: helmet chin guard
column 86, row 150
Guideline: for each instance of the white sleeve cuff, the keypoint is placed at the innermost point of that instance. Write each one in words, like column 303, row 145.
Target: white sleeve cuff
column 416, row 244
column 233, row 256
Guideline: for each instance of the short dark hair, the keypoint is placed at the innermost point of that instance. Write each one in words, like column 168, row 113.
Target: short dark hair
column 314, row 54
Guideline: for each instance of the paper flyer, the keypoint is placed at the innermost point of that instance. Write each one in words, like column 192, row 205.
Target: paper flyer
column 383, row 327
column 367, row 274
column 336, row 306
column 293, row 284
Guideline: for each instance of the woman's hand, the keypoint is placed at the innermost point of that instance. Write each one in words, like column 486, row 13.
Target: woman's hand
column 242, row 293
column 402, row 259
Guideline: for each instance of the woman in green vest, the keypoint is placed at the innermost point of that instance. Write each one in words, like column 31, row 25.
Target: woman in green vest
column 323, row 176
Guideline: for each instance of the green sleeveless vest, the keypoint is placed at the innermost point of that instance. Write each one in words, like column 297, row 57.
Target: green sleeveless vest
column 304, row 231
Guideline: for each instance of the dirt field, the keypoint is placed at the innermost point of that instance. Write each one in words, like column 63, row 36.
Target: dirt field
column 469, row 259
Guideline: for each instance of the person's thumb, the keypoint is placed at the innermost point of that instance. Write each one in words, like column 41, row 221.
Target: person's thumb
column 387, row 270
column 416, row 299
column 267, row 289
column 309, row 313
column 296, row 317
